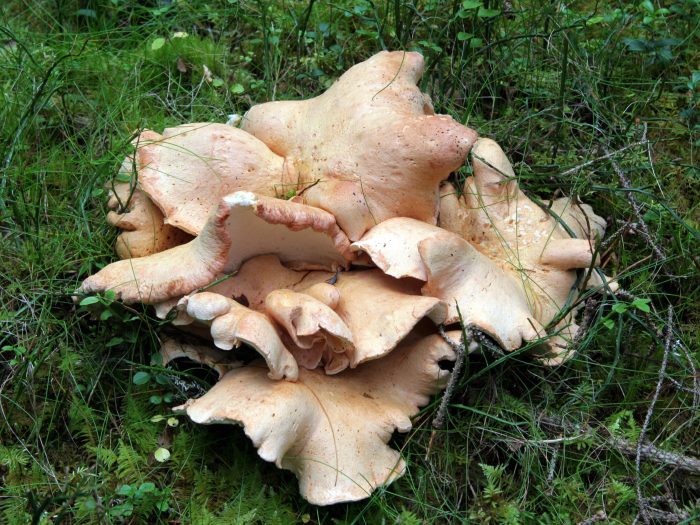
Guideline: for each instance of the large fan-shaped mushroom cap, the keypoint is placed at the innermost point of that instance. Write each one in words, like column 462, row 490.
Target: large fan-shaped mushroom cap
column 510, row 267
column 370, row 148
column 381, row 311
column 331, row 431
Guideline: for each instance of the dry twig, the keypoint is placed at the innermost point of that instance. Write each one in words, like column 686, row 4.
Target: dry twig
column 650, row 411
column 460, row 350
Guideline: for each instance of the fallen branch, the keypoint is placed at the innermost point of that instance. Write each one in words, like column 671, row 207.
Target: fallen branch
column 649, row 452
column 627, row 185
column 601, row 515
column 647, row 419
column 460, row 350
column 608, row 155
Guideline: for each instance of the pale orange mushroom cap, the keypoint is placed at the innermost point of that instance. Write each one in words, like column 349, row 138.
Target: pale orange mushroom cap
column 370, row 148
column 232, row 323
column 143, row 230
column 307, row 320
column 508, row 264
column 365, row 160
column 243, row 225
column 524, row 240
column 331, row 431
column 221, row 362
column 187, row 170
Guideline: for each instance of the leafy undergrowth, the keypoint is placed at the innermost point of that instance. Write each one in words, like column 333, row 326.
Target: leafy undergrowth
column 85, row 430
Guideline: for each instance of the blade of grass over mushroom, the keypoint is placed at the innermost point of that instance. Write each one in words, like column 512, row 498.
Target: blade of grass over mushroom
column 525, row 241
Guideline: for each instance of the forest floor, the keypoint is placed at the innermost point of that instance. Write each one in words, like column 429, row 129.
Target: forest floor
column 597, row 100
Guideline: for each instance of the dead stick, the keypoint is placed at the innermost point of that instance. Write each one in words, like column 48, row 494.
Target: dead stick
column 650, row 412
column 460, row 350
column 608, row 155
column 643, row 228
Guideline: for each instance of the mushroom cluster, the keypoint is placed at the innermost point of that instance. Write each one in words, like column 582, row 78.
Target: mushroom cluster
column 323, row 235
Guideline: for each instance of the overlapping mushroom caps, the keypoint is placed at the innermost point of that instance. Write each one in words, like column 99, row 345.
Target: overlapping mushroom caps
column 349, row 353
column 498, row 259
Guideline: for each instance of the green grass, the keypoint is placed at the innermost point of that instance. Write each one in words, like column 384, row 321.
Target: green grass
column 554, row 83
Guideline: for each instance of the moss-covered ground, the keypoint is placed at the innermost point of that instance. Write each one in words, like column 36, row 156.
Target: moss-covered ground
column 558, row 84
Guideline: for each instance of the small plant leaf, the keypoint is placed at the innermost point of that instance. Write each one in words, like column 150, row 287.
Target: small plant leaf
column 594, row 20
column 162, row 455
column 155, row 399
column 488, row 13
column 619, row 308
column 90, row 300
column 141, row 378
column 642, row 305
column 157, row 43
column 471, row 4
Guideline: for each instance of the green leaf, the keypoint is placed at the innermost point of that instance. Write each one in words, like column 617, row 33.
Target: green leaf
column 642, row 305
column 471, row 4
column 619, row 308
column 114, row 342
column 636, row 45
column 173, row 422
column 237, row 89
column 609, row 324
column 488, row 13
column 162, row 455
column 647, row 6
column 87, row 13
column 155, row 399
column 157, row 43
column 141, row 378
column 126, row 490
column 148, row 486
column 110, row 295
column 217, row 82
column 594, row 20
column 90, row 300
column 462, row 36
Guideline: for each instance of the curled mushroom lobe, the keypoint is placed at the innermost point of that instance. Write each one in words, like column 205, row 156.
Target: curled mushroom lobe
column 321, row 313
